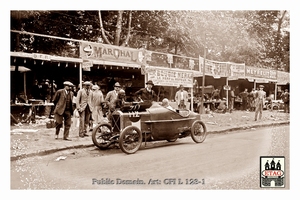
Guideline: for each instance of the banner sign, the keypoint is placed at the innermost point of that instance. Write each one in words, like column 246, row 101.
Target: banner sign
column 236, row 71
column 40, row 56
column 97, row 51
column 213, row 68
column 283, row 77
column 256, row 72
column 169, row 77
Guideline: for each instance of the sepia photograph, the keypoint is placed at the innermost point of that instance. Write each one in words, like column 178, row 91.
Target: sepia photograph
column 150, row 99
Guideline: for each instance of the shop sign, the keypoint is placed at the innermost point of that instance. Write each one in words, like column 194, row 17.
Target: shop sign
column 97, row 51
column 87, row 64
column 283, row 77
column 40, row 56
column 213, row 68
column 257, row 72
column 236, row 70
column 169, row 77
column 226, row 87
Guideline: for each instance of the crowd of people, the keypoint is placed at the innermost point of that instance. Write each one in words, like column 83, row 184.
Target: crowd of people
column 91, row 106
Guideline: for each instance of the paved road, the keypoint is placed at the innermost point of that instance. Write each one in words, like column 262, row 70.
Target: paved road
column 227, row 161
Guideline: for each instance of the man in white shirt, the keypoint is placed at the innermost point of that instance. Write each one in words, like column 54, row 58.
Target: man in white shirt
column 259, row 101
column 181, row 95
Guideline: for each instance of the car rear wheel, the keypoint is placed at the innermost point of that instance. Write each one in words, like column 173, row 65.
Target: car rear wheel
column 130, row 139
column 198, row 131
column 101, row 135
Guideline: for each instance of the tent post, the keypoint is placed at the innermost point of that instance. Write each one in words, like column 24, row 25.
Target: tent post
column 227, row 92
column 192, row 99
column 80, row 75
column 275, row 95
column 25, row 86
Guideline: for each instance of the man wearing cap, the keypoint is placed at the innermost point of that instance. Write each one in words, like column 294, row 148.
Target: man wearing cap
column 147, row 93
column 286, row 100
column 259, row 101
column 63, row 109
column 85, row 107
column 97, row 100
column 181, row 97
column 110, row 99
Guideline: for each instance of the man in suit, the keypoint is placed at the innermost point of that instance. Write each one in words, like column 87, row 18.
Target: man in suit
column 63, row 109
column 110, row 99
column 147, row 93
column 85, row 107
column 259, row 101
column 181, row 95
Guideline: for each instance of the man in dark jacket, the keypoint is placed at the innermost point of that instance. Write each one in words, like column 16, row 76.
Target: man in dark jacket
column 147, row 93
column 63, row 109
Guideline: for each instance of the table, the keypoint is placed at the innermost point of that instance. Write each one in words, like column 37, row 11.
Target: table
column 26, row 113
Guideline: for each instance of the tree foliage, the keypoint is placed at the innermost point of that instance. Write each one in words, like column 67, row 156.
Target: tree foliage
column 256, row 38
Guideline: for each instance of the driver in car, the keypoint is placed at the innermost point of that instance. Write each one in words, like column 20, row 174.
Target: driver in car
column 165, row 103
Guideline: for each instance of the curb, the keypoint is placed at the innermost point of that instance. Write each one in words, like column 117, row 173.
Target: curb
column 49, row 151
column 247, row 127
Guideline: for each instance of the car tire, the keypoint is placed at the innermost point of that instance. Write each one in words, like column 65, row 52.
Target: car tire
column 130, row 139
column 198, row 131
column 101, row 134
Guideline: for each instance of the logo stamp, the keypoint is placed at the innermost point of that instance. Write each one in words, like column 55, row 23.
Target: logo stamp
column 272, row 172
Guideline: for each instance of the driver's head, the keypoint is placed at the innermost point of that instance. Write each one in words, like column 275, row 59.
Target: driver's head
column 121, row 94
column 165, row 102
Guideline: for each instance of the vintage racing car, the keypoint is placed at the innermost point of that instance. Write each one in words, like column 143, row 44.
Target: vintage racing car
column 145, row 123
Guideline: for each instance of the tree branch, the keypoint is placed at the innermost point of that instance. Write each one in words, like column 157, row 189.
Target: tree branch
column 119, row 27
column 102, row 29
column 125, row 43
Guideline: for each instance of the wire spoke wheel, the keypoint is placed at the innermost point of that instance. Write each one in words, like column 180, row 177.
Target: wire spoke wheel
column 130, row 139
column 101, row 135
column 198, row 131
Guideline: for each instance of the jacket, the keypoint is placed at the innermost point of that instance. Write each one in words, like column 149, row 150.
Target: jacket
column 60, row 100
column 83, row 100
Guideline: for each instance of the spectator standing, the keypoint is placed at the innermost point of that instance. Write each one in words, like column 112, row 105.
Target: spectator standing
column 97, row 100
column 110, row 98
column 147, row 93
column 84, row 107
column 232, row 98
column 36, row 90
column 63, row 109
column 252, row 95
column 216, row 94
column 259, row 101
column 286, row 100
column 244, row 95
column 181, row 97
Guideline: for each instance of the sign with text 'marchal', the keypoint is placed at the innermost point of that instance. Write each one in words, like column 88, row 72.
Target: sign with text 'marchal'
column 97, row 51
column 169, row 77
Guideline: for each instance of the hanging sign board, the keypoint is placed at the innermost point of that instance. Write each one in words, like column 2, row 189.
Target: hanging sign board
column 169, row 77
column 98, row 51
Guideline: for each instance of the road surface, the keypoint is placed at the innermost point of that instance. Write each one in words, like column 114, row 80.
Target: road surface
column 222, row 161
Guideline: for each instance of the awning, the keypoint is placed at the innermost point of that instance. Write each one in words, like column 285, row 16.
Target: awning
column 20, row 69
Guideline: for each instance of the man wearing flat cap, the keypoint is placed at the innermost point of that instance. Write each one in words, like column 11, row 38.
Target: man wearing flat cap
column 259, row 101
column 110, row 99
column 147, row 93
column 85, row 107
column 63, row 109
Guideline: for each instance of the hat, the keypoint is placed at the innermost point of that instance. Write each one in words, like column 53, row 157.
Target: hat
column 68, row 83
column 117, row 84
column 86, row 83
column 95, row 87
column 149, row 82
column 180, row 85
column 261, row 86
